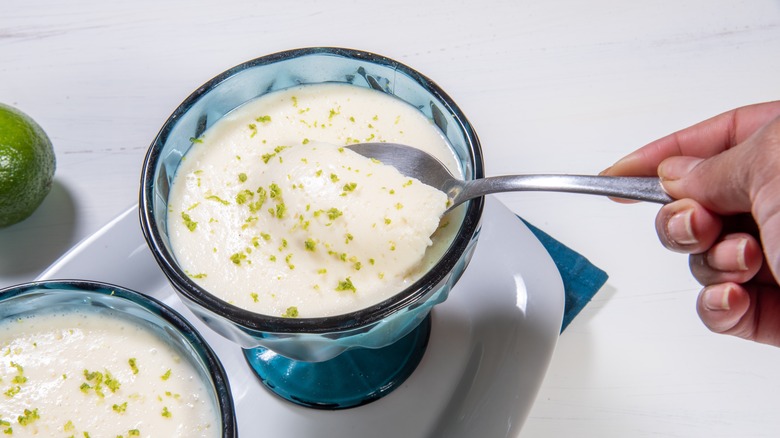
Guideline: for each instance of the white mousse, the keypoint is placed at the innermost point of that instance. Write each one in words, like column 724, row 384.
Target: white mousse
column 83, row 374
column 269, row 211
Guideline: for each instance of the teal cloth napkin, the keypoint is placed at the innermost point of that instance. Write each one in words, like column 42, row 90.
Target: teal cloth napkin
column 581, row 278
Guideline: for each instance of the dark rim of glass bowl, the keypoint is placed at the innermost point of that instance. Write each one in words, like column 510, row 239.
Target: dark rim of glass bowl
column 214, row 367
column 336, row 323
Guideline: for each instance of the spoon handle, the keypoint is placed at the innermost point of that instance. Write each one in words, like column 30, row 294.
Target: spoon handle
column 626, row 187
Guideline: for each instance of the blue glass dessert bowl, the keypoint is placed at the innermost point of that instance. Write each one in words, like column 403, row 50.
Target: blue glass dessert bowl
column 28, row 306
column 331, row 362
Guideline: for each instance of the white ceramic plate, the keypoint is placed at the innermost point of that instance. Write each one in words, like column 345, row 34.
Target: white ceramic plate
column 490, row 345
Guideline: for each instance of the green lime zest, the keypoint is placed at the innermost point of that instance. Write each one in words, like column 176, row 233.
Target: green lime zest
column 291, row 312
column 237, row 258
column 188, row 222
column 217, row 199
column 243, row 196
column 28, row 417
column 345, row 285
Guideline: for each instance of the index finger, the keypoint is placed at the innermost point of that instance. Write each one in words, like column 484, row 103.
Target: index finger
column 701, row 140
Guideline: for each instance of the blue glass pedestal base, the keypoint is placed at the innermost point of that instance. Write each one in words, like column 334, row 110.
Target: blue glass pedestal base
column 351, row 379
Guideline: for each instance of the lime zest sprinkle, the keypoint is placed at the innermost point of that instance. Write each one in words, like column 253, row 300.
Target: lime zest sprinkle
column 188, row 222
column 243, row 196
column 217, row 199
column 28, row 417
column 291, row 312
column 166, row 375
column 274, row 191
column 133, row 362
column 279, row 212
column 345, row 285
column 237, row 258
column 119, row 409
column 112, row 383
column 334, row 213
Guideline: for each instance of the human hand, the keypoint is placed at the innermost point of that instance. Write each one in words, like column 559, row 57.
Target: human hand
column 725, row 174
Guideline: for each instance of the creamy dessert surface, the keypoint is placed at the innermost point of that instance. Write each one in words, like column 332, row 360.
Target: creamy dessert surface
column 269, row 212
column 84, row 374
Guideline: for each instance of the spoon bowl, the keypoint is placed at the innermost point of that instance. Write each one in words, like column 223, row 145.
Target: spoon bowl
column 414, row 163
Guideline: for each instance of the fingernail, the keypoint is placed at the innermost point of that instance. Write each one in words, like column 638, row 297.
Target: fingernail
column 741, row 263
column 716, row 298
column 679, row 228
column 729, row 255
column 605, row 171
column 675, row 168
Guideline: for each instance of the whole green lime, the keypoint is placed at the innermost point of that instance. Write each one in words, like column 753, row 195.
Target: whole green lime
column 26, row 165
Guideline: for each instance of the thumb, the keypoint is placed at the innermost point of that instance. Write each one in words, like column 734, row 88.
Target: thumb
column 718, row 183
column 731, row 181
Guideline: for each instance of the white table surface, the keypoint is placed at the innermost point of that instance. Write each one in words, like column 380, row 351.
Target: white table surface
column 551, row 86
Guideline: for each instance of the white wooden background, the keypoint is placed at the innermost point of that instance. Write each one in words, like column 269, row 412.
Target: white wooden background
column 551, row 86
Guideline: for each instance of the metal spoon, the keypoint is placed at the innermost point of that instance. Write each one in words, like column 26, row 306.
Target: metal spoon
column 415, row 163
